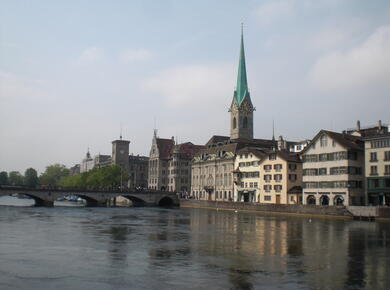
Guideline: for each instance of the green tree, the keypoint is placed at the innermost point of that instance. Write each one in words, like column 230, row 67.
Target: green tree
column 15, row 178
column 108, row 176
column 4, row 178
column 53, row 174
column 31, row 178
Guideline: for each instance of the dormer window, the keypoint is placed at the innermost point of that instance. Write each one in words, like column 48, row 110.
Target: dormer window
column 324, row 141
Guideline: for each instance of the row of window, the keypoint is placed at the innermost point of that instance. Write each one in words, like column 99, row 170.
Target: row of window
column 268, row 188
column 374, row 156
column 374, row 170
column 384, row 143
column 332, row 171
column 342, row 155
column 376, row 183
column 246, row 164
column 250, row 174
column 334, row 184
column 249, row 184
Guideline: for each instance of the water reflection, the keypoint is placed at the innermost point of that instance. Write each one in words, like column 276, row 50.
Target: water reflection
column 150, row 248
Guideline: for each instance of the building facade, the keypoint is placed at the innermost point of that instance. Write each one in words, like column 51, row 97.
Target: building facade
column 170, row 164
column 377, row 169
column 268, row 176
column 333, row 170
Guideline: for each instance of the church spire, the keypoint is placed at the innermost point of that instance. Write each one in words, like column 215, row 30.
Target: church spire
column 242, row 83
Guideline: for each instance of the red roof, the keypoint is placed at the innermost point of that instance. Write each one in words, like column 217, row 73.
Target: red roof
column 165, row 147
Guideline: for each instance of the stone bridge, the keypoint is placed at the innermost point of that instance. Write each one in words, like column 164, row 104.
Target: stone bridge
column 46, row 197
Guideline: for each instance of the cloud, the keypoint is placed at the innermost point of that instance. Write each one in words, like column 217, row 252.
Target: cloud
column 269, row 12
column 15, row 88
column 131, row 55
column 90, row 54
column 366, row 64
column 197, row 85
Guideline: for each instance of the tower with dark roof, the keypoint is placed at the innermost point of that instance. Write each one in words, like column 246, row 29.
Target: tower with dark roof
column 241, row 109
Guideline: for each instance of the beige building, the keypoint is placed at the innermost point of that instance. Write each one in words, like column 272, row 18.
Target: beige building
column 377, row 169
column 170, row 164
column 268, row 176
column 333, row 170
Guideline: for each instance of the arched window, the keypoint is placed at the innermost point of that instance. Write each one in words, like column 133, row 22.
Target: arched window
column 245, row 123
column 324, row 200
column 234, row 123
column 311, row 200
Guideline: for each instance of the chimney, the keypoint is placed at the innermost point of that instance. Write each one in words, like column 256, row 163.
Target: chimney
column 379, row 125
column 358, row 125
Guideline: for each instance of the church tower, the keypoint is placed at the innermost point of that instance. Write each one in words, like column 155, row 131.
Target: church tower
column 241, row 109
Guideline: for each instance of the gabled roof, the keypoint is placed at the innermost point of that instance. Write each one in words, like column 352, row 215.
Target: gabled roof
column 347, row 141
column 217, row 139
column 188, row 149
column 164, row 147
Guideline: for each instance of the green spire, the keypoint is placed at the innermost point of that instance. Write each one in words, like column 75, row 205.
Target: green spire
column 242, row 85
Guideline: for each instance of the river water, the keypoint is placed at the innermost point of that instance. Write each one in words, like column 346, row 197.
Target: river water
column 72, row 247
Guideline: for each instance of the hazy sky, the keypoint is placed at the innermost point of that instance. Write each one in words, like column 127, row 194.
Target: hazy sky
column 72, row 71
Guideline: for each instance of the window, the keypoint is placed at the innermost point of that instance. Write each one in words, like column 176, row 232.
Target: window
column 387, row 155
column 255, row 184
column 278, row 188
column 374, row 170
column 322, row 171
column 310, row 158
column 267, row 198
column 278, row 167
column 292, row 177
column 272, row 156
column 310, row 172
column 373, row 157
column 387, row 169
column 245, row 122
column 278, row 177
column 251, row 184
column 324, row 141
column 380, row 143
column 267, row 177
column 234, row 123
column 267, row 188
column 292, row 166
column 267, row 167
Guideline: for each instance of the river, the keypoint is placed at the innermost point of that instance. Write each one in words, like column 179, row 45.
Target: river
column 73, row 247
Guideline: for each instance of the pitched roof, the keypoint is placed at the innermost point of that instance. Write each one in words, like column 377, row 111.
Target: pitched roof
column 254, row 150
column 164, row 147
column 217, row 139
column 188, row 149
column 241, row 91
column 345, row 140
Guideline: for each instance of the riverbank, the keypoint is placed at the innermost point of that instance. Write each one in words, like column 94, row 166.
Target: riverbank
column 282, row 209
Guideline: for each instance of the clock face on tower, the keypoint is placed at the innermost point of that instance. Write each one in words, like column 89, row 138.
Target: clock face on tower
column 122, row 151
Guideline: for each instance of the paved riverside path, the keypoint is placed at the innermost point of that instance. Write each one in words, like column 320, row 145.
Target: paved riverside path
column 46, row 197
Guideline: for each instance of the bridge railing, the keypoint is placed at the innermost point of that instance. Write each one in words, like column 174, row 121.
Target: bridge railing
column 83, row 189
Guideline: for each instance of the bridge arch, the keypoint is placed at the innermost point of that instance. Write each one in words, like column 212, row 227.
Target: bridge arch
column 38, row 200
column 166, row 201
column 135, row 200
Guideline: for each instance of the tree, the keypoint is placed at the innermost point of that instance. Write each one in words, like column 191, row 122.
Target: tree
column 31, row 178
column 108, row 176
column 4, row 178
column 15, row 178
column 53, row 174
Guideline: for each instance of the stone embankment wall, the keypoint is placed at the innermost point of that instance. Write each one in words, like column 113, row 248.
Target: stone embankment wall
column 339, row 211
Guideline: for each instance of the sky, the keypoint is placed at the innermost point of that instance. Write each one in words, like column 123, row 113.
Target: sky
column 73, row 73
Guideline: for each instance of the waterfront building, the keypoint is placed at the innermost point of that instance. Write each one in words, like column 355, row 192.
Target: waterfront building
column 333, row 170
column 135, row 166
column 377, row 168
column 268, row 176
column 213, row 166
column 170, row 164
column 87, row 163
